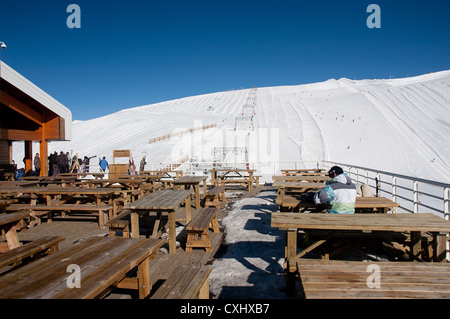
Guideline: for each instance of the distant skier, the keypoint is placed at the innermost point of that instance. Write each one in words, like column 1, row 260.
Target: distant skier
column 103, row 164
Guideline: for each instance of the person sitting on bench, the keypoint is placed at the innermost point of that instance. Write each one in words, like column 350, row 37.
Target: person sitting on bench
column 339, row 194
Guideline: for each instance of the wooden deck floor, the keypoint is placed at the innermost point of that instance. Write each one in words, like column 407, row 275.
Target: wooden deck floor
column 79, row 227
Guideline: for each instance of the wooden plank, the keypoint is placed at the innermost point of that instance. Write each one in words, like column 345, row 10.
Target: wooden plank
column 101, row 260
column 30, row 249
column 348, row 279
column 298, row 178
column 364, row 222
column 197, row 283
column 161, row 200
column 118, row 263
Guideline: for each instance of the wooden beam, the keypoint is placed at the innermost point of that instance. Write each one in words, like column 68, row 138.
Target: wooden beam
column 28, row 158
column 21, row 108
column 20, row 135
column 43, row 150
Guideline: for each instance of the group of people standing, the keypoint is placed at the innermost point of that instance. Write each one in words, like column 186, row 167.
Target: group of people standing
column 58, row 163
column 63, row 163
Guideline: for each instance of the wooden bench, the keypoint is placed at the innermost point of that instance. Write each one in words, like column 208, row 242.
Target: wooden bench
column 120, row 223
column 102, row 212
column 360, row 279
column 188, row 281
column 34, row 249
column 198, row 229
column 214, row 196
column 103, row 263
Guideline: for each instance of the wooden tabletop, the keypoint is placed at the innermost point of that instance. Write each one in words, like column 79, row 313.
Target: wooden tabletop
column 282, row 184
column 190, row 180
column 11, row 218
column 74, row 190
column 363, row 222
column 83, row 174
column 49, row 178
column 375, row 202
column 360, row 202
column 7, row 184
column 232, row 170
column 338, row 279
column 103, row 261
column 303, row 170
column 111, row 181
column 298, row 178
column 167, row 199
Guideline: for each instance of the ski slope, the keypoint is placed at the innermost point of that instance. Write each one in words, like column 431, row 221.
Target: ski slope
column 396, row 125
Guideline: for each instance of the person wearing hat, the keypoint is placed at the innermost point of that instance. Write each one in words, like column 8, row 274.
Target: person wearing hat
column 339, row 194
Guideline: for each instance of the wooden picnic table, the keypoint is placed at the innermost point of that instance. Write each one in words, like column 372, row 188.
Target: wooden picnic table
column 124, row 183
column 96, row 195
column 8, row 223
column 57, row 180
column 301, row 187
column 162, row 201
column 150, row 182
column 5, row 203
column 15, row 192
column 193, row 181
column 8, row 184
column 380, row 204
column 333, row 225
column 234, row 175
column 299, row 178
column 163, row 174
column 342, row 279
column 81, row 175
column 102, row 262
column 304, row 172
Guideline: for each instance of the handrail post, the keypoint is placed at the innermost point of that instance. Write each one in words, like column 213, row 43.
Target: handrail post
column 447, row 203
column 394, row 192
column 377, row 185
column 447, row 217
column 416, row 197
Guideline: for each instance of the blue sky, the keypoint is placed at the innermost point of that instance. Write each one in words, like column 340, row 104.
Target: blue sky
column 133, row 53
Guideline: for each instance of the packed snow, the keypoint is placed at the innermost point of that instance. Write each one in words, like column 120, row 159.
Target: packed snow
column 396, row 125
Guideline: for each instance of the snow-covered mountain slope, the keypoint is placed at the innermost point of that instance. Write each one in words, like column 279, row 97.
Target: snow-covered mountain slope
column 397, row 125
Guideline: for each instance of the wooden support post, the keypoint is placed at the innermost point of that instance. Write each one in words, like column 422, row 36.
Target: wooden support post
column 144, row 282
column 134, row 225
column 28, row 157
column 43, row 153
column 172, row 234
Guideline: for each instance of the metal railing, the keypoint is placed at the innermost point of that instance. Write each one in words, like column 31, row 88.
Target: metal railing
column 415, row 195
